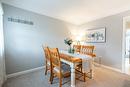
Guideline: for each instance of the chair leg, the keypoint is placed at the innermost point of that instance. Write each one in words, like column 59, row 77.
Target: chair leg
column 46, row 69
column 60, row 81
column 84, row 75
column 91, row 74
column 51, row 77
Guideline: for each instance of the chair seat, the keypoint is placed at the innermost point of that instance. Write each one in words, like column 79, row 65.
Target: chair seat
column 64, row 68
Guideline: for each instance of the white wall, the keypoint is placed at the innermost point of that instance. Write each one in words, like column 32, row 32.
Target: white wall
column 23, row 43
column 2, row 70
column 111, row 51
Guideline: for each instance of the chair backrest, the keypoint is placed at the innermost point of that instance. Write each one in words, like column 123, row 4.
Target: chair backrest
column 88, row 50
column 77, row 48
column 55, row 57
column 47, row 53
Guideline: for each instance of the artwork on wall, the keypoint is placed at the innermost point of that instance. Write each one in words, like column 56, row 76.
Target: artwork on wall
column 97, row 35
column 20, row 21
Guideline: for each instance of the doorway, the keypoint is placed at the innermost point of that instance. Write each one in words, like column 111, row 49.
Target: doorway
column 126, row 45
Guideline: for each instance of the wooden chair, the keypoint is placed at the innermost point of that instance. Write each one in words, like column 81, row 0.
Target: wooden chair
column 47, row 59
column 57, row 69
column 87, row 50
column 77, row 48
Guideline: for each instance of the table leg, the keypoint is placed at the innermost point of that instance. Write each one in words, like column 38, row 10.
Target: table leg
column 91, row 68
column 72, row 75
column 91, row 74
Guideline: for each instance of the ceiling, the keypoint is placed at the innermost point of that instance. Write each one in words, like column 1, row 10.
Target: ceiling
column 73, row 11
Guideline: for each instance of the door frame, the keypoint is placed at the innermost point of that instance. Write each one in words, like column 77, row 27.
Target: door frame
column 124, row 43
column 2, row 54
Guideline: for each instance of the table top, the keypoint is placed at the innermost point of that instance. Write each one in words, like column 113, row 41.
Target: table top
column 73, row 57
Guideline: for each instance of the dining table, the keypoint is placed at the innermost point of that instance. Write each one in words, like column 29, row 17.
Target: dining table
column 73, row 59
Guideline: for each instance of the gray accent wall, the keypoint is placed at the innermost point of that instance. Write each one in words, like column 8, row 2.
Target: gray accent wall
column 23, row 43
column 111, row 51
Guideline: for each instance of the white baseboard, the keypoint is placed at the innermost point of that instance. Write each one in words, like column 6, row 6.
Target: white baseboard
column 108, row 67
column 39, row 68
column 24, row 72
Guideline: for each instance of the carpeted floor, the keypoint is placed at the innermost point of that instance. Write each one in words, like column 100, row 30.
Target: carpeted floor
column 102, row 78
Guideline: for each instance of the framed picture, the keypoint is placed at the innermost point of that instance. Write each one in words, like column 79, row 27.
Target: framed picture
column 96, row 35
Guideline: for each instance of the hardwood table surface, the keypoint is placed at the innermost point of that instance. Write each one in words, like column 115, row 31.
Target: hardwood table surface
column 70, row 58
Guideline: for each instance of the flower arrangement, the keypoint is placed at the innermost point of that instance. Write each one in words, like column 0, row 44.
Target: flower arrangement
column 69, row 41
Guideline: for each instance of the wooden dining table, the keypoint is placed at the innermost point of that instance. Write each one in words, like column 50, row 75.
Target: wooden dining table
column 73, row 59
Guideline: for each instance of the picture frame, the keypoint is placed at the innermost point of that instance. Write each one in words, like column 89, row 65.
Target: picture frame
column 97, row 35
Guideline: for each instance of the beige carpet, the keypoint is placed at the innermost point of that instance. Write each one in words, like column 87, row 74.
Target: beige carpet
column 102, row 78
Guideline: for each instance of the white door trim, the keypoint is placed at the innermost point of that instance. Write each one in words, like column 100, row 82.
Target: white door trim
column 2, row 55
column 124, row 42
